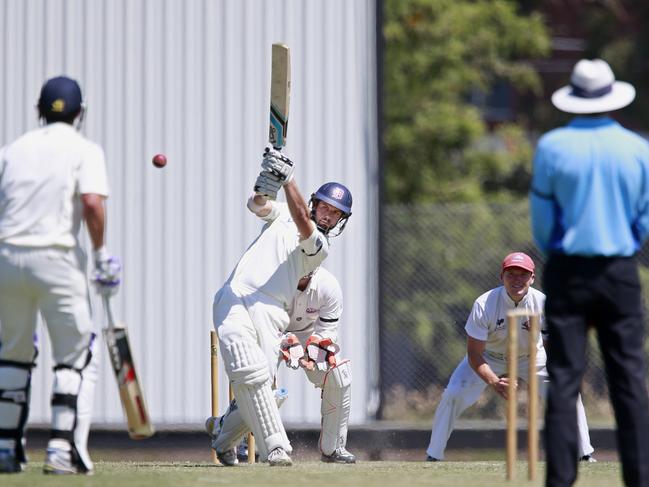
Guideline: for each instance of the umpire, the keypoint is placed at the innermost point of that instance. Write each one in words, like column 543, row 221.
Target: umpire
column 590, row 214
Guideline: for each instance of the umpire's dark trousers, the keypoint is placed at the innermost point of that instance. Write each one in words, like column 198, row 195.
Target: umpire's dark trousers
column 603, row 292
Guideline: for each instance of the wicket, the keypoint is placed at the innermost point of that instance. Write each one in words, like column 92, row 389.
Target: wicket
column 532, row 394
column 214, row 369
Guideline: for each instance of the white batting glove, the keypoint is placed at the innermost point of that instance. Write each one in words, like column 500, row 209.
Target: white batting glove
column 267, row 184
column 106, row 275
column 278, row 164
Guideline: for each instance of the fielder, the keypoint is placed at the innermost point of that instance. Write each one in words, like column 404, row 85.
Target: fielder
column 250, row 310
column 314, row 315
column 486, row 363
column 51, row 178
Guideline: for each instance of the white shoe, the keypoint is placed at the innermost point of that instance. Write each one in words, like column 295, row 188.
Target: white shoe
column 228, row 458
column 279, row 458
column 60, row 461
column 340, row 455
column 588, row 459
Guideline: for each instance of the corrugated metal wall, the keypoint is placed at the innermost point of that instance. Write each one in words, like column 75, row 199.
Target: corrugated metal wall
column 190, row 78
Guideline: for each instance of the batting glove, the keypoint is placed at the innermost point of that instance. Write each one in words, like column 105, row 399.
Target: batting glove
column 106, row 275
column 291, row 350
column 267, row 184
column 278, row 164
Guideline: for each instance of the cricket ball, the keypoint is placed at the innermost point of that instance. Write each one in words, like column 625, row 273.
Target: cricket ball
column 159, row 160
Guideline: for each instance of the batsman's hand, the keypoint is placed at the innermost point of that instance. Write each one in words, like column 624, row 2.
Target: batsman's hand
column 107, row 272
column 278, row 164
column 267, row 184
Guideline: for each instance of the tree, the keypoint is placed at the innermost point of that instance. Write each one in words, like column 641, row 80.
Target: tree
column 437, row 53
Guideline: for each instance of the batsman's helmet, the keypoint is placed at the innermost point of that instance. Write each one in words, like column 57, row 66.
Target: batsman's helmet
column 338, row 196
column 60, row 100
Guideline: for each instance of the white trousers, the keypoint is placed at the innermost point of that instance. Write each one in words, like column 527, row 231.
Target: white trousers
column 52, row 281
column 464, row 389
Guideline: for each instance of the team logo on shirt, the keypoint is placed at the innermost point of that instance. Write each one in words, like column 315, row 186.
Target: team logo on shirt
column 526, row 326
column 500, row 323
column 311, row 310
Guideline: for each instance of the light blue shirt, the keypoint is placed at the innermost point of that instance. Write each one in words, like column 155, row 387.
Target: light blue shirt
column 590, row 189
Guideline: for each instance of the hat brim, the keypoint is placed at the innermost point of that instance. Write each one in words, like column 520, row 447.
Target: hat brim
column 621, row 95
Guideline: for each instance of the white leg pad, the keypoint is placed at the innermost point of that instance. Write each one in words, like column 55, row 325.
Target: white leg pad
column 248, row 370
column 14, row 401
column 228, row 430
column 335, row 408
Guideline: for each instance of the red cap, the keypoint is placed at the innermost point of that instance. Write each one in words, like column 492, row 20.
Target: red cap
column 518, row 259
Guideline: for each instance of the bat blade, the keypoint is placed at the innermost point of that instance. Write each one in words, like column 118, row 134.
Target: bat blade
column 130, row 392
column 280, row 91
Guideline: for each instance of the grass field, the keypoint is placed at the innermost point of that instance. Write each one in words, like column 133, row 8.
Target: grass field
column 313, row 474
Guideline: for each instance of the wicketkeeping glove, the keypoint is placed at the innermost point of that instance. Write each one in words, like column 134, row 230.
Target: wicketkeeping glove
column 322, row 351
column 267, row 184
column 106, row 275
column 291, row 350
column 278, row 164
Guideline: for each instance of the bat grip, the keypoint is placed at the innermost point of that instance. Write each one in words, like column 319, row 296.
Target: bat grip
column 109, row 311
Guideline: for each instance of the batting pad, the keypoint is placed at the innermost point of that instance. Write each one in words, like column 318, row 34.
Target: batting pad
column 335, row 407
column 251, row 386
column 231, row 426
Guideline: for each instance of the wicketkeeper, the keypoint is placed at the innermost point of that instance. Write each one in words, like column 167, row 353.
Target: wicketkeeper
column 310, row 344
column 250, row 310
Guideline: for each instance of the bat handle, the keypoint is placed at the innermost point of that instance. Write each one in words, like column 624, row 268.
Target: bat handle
column 109, row 311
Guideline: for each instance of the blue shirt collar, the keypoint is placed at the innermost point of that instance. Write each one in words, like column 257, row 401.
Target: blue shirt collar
column 590, row 122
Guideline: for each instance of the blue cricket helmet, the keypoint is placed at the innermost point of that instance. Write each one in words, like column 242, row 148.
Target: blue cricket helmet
column 338, row 196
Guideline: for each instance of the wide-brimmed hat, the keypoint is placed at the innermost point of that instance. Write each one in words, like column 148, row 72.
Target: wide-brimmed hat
column 593, row 89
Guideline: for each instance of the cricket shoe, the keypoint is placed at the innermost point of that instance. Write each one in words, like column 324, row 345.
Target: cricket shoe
column 9, row 463
column 588, row 459
column 227, row 458
column 242, row 452
column 432, row 459
column 340, row 455
column 61, row 461
column 279, row 458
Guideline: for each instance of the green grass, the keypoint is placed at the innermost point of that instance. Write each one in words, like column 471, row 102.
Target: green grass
column 313, row 474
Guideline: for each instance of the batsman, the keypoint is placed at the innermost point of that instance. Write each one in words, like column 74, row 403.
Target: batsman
column 310, row 343
column 250, row 311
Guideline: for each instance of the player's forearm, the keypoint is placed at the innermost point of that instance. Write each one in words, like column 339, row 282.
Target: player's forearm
column 95, row 217
column 259, row 205
column 299, row 210
column 482, row 368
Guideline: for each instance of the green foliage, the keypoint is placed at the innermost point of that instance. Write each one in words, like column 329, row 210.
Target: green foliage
column 437, row 54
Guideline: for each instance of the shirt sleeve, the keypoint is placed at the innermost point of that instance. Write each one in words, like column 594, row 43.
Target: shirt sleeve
column 316, row 244
column 476, row 325
column 542, row 202
column 641, row 223
column 330, row 311
column 93, row 178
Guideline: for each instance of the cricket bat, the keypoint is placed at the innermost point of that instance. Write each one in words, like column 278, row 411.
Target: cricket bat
column 130, row 392
column 280, row 91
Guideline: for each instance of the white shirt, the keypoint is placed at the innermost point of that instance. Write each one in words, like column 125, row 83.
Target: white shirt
column 42, row 175
column 488, row 319
column 277, row 259
column 317, row 309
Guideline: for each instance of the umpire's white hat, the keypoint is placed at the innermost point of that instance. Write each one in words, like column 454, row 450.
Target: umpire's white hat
column 593, row 89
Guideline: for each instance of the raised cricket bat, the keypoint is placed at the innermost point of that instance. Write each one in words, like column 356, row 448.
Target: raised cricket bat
column 130, row 392
column 280, row 91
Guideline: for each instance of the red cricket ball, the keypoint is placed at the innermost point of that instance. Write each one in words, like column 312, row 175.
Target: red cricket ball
column 159, row 160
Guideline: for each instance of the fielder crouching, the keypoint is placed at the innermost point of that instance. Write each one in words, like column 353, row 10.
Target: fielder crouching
column 249, row 311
